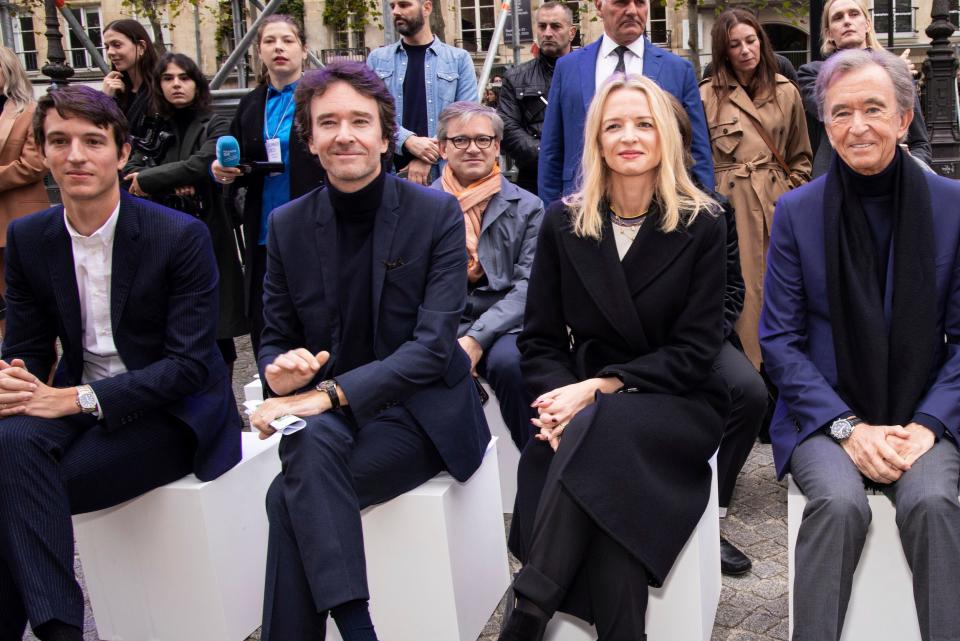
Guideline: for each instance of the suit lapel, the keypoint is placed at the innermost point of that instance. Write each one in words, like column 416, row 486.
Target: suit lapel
column 497, row 205
column 603, row 277
column 126, row 257
column 652, row 60
column 190, row 136
column 326, row 239
column 588, row 72
column 384, row 229
column 651, row 253
column 59, row 257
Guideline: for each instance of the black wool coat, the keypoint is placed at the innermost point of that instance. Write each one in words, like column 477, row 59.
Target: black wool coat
column 637, row 462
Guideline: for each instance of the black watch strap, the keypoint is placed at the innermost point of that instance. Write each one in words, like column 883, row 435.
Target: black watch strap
column 330, row 387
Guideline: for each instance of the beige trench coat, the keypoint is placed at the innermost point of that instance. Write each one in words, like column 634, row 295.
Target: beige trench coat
column 747, row 173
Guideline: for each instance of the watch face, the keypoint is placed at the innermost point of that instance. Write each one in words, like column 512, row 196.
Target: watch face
column 88, row 402
column 841, row 429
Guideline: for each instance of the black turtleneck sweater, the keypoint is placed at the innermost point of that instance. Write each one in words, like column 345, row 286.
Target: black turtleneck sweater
column 355, row 215
column 876, row 198
column 181, row 121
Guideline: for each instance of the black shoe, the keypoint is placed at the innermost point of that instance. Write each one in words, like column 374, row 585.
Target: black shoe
column 733, row 562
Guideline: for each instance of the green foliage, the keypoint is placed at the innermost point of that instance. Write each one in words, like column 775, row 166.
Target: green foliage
column 336, row 13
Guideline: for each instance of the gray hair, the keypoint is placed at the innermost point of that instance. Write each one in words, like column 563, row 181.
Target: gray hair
column 464, row 111
column 556, row 4
column 847, row 60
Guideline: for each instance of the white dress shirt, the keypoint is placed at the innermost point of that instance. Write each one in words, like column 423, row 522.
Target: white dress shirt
column 607, row 59
column 93, row 265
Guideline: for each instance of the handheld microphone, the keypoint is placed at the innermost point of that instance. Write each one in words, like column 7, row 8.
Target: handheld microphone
column 228, row 151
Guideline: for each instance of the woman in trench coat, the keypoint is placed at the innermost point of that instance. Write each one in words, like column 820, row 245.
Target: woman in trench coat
column 624, row 318
column 745, row 102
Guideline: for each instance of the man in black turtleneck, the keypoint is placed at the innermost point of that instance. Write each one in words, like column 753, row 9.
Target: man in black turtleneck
column 523, row 97
column 364, row 290
column 860, row 332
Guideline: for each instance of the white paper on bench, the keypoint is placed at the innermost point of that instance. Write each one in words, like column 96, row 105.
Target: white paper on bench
column 286, row 425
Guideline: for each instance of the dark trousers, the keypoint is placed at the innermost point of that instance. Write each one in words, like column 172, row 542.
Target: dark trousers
column 257, row 272
column 52, row 468
column 527, row 179
column 500, row 365
column 567, row 544
column 748, row 403
column 331, row 471
column 834, row 529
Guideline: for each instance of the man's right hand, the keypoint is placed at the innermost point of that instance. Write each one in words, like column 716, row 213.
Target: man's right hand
column 418, row 171
column 426, row 149
column 867, row 446
column 292, row 370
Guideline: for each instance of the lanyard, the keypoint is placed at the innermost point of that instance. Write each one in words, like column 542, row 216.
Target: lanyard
column 284, row 112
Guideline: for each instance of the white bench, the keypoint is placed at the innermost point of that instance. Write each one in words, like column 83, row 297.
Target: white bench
column 881, row 605
column 507, row 453
column 184, row 562
column 684, row 608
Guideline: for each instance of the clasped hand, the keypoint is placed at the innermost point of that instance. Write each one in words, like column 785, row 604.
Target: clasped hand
column 23, row 393
column 558, row 407
column 884, row 452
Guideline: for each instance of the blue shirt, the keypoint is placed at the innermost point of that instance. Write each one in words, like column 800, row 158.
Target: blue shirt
column 277, row 123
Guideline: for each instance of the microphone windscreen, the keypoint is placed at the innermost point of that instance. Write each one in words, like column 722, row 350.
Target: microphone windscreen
column 228, row 151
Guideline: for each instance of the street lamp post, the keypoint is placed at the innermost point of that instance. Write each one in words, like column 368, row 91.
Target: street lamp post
column 56, row 68
column 940, row 93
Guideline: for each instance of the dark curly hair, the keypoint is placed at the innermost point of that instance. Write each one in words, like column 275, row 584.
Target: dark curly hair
column 201, row 101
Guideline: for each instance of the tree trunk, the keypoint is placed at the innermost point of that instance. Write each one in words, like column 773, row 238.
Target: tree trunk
column 693, row 19
column 152, row 11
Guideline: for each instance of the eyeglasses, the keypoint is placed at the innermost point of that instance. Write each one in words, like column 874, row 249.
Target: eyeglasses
column 462, row 142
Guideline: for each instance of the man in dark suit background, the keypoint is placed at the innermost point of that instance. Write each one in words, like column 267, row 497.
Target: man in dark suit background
column 365, row 287
column 623, row 49
column 860, row 332
column 141, row 395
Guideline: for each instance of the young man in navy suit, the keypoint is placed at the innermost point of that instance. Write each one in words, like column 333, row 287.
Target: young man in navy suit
column 365, row 287
column 141, row 395
column 622, row 49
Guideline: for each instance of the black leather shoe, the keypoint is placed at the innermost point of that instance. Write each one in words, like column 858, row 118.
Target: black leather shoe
column 733, row 562
column 523, row 626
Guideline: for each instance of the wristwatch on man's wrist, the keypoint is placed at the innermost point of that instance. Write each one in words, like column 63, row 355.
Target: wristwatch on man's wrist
column 842, row 428
column 329, row 387
column 86, row 399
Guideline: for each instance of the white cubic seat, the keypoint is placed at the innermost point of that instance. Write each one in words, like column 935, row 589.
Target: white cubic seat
column 184, row 562
column 437, row 558
column 507, row 453
column 685, row 607
column 881, row 604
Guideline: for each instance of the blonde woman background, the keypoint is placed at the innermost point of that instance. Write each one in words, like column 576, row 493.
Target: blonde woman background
column 758, row 136
column 21, row 168
column 633, row 264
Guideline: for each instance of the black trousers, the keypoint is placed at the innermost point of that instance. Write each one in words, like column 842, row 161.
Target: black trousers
column 331, row 471
column 52, row 468
column 500, row 365
column 567, row 545
column 748, row 403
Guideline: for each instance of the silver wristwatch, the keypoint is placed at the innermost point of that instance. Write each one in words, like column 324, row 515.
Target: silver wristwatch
column 842, row 428
column 86, row 399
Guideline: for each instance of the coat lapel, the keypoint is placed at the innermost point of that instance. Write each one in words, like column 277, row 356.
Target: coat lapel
column 651, row 253
column 326, row 239
column 604, row 278
column 59, row 257
column 191, row 135
column 498, row 204
column 588, row 73
column 384, row 229
column 126, row 256
column 652, row 60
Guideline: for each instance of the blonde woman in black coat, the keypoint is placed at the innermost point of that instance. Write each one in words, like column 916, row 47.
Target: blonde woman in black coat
column 624, row 319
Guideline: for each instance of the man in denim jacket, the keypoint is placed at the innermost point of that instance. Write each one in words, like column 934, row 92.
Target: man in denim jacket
column 424, row 75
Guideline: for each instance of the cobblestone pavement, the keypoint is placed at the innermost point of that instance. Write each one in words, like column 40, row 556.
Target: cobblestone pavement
column 752, row 607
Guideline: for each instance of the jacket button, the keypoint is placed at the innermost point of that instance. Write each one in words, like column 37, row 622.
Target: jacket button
column 724, row 130
column 733, row 158
column 731, row 184
column 735, row 119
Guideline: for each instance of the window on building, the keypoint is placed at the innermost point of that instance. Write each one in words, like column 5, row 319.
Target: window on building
column 574, row 6
column 477, row 22
column 89, row 19
column 955, row 13
column 25, row 40
column 657, row 24
column 903, row 13
column 351, row 34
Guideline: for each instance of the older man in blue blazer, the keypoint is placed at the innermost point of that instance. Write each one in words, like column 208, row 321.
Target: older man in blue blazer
column 622, row 49
column 860, row 332
column 141, row 395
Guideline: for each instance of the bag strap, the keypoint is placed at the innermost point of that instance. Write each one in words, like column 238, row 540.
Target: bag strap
column 766, row 138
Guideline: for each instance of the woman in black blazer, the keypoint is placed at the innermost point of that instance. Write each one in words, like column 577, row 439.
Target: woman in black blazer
column 282, row 47
column 624, row 319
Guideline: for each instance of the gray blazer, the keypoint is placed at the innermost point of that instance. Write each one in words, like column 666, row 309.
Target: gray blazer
column 508, row 242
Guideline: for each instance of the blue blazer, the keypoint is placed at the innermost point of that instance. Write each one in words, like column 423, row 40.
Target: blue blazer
column 419, row 290
column 163, row 307
column 572, row 89
column 795, row 333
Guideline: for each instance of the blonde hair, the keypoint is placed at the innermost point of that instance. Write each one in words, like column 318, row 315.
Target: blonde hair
column 827, row 46
column 679, row 199
column 16, row 86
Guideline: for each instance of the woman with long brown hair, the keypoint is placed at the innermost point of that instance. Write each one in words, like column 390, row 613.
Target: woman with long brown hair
column 133, row 61
column 758, row 134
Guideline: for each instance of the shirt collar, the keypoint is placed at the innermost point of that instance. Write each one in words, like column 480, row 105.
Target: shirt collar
column 434, row 45
column 104, row 234
column 608, row 44
column 273, row 91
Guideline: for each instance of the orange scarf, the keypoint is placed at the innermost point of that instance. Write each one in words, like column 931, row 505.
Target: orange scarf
column 474, row 199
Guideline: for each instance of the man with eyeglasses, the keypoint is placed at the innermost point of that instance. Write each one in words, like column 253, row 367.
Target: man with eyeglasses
column 502, row 222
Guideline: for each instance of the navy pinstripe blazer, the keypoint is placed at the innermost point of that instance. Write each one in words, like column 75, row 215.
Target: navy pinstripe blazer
column 164, row 314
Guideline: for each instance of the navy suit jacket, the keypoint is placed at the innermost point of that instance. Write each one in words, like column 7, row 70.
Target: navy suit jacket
column 572, row 89
column 795, row 333
column 163, row 307
column 419, row 291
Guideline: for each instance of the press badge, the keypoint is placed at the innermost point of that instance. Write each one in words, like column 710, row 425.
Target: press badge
column 273, row 152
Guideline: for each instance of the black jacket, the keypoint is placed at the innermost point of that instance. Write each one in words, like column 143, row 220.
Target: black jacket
column 523, row 107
